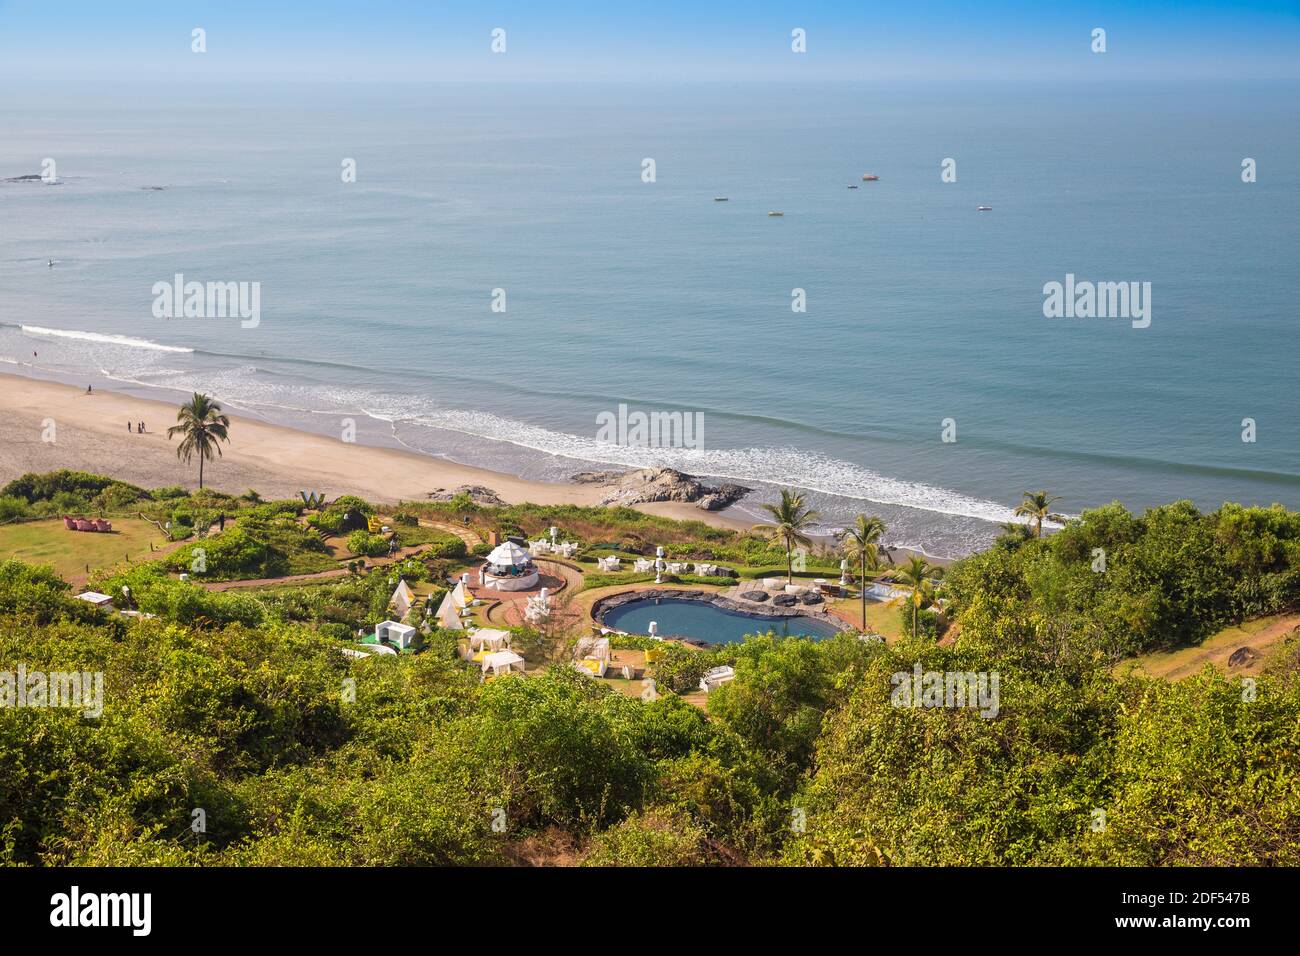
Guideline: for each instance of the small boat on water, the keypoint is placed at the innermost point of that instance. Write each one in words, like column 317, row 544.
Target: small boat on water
column 853, row 187
column 983, row 208
column 870, row 177
column 720, row 198
column 775, row 213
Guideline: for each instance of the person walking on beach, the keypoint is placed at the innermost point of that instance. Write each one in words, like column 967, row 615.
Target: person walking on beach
column 128, row 426
column 90, row 389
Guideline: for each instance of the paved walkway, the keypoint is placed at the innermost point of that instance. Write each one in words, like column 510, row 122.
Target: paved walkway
column 465, row 534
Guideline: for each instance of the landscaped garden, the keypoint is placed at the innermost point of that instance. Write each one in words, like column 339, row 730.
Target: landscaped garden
column 229, row 698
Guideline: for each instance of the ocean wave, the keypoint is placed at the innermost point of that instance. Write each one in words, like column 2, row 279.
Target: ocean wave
column 785, row 466
column 103, row 338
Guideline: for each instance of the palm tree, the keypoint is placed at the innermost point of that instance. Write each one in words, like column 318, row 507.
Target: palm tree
column 1015, row 532
column 204, row 427
column 861, row 543
column 792, row 522
column 1037, row 507
column 916, row 574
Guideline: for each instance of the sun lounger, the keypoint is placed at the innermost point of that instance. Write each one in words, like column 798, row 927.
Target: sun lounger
column 84, row 525
column 69, row 523
column 102, row 525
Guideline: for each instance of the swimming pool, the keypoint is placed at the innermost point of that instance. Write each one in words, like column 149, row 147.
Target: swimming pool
column 704, row 621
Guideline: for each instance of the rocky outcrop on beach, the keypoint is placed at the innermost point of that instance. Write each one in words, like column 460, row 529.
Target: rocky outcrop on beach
column 724, row 496
column 477, row 494
column 661, row 484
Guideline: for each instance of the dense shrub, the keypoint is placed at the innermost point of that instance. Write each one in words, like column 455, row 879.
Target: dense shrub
column 1115, row 584
column 44, row 487
column 654, row 838
column 927, row 622
column 680, row 668
column 370, row 545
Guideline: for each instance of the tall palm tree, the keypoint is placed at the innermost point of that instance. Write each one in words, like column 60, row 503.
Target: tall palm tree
column 203, row 426
column 792, row 522
column 916, row 574
column 1037, row 507
column 861, row 544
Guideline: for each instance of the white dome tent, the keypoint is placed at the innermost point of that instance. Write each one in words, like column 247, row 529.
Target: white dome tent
column 509, row 568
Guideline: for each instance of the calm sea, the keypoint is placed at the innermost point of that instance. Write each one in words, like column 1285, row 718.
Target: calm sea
column 376, row 295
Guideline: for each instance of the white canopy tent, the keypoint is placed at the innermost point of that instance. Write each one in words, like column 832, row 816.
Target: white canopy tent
column 489, row 637
column 502, row 662
column 592, row 655
column 509, row 568
column 509, row 555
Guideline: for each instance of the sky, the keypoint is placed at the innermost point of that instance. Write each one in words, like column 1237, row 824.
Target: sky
column 81, row 41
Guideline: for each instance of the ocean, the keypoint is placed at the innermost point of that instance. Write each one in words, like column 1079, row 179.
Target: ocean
column 924, row 316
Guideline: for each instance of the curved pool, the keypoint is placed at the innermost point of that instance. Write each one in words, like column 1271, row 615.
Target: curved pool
column 704, row 621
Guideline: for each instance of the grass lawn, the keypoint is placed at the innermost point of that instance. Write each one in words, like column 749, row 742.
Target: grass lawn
column 882, row 616
column 1263, row 635
column 68, row 552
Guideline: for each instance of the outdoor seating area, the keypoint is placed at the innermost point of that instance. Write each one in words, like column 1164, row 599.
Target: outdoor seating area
column 478, row 644
column 541, row 547
column 592, row 656
column 611, row 563
column 509, row 568
column 87, row 524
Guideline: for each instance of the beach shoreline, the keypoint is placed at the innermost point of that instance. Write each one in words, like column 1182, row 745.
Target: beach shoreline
column 47, row 425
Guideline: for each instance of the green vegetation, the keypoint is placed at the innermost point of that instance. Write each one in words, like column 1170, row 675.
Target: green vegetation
column 345, row 513
column 241, row 703
column 1037, row 507
column 917, row 575
column 367, row 544
column 258, row 547
column 1114, row 584
column 60, row 492
column 628, row 533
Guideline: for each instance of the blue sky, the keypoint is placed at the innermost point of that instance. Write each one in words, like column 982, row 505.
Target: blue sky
column 386, row 40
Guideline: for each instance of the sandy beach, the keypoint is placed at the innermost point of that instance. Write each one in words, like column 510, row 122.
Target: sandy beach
column 90, row 433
